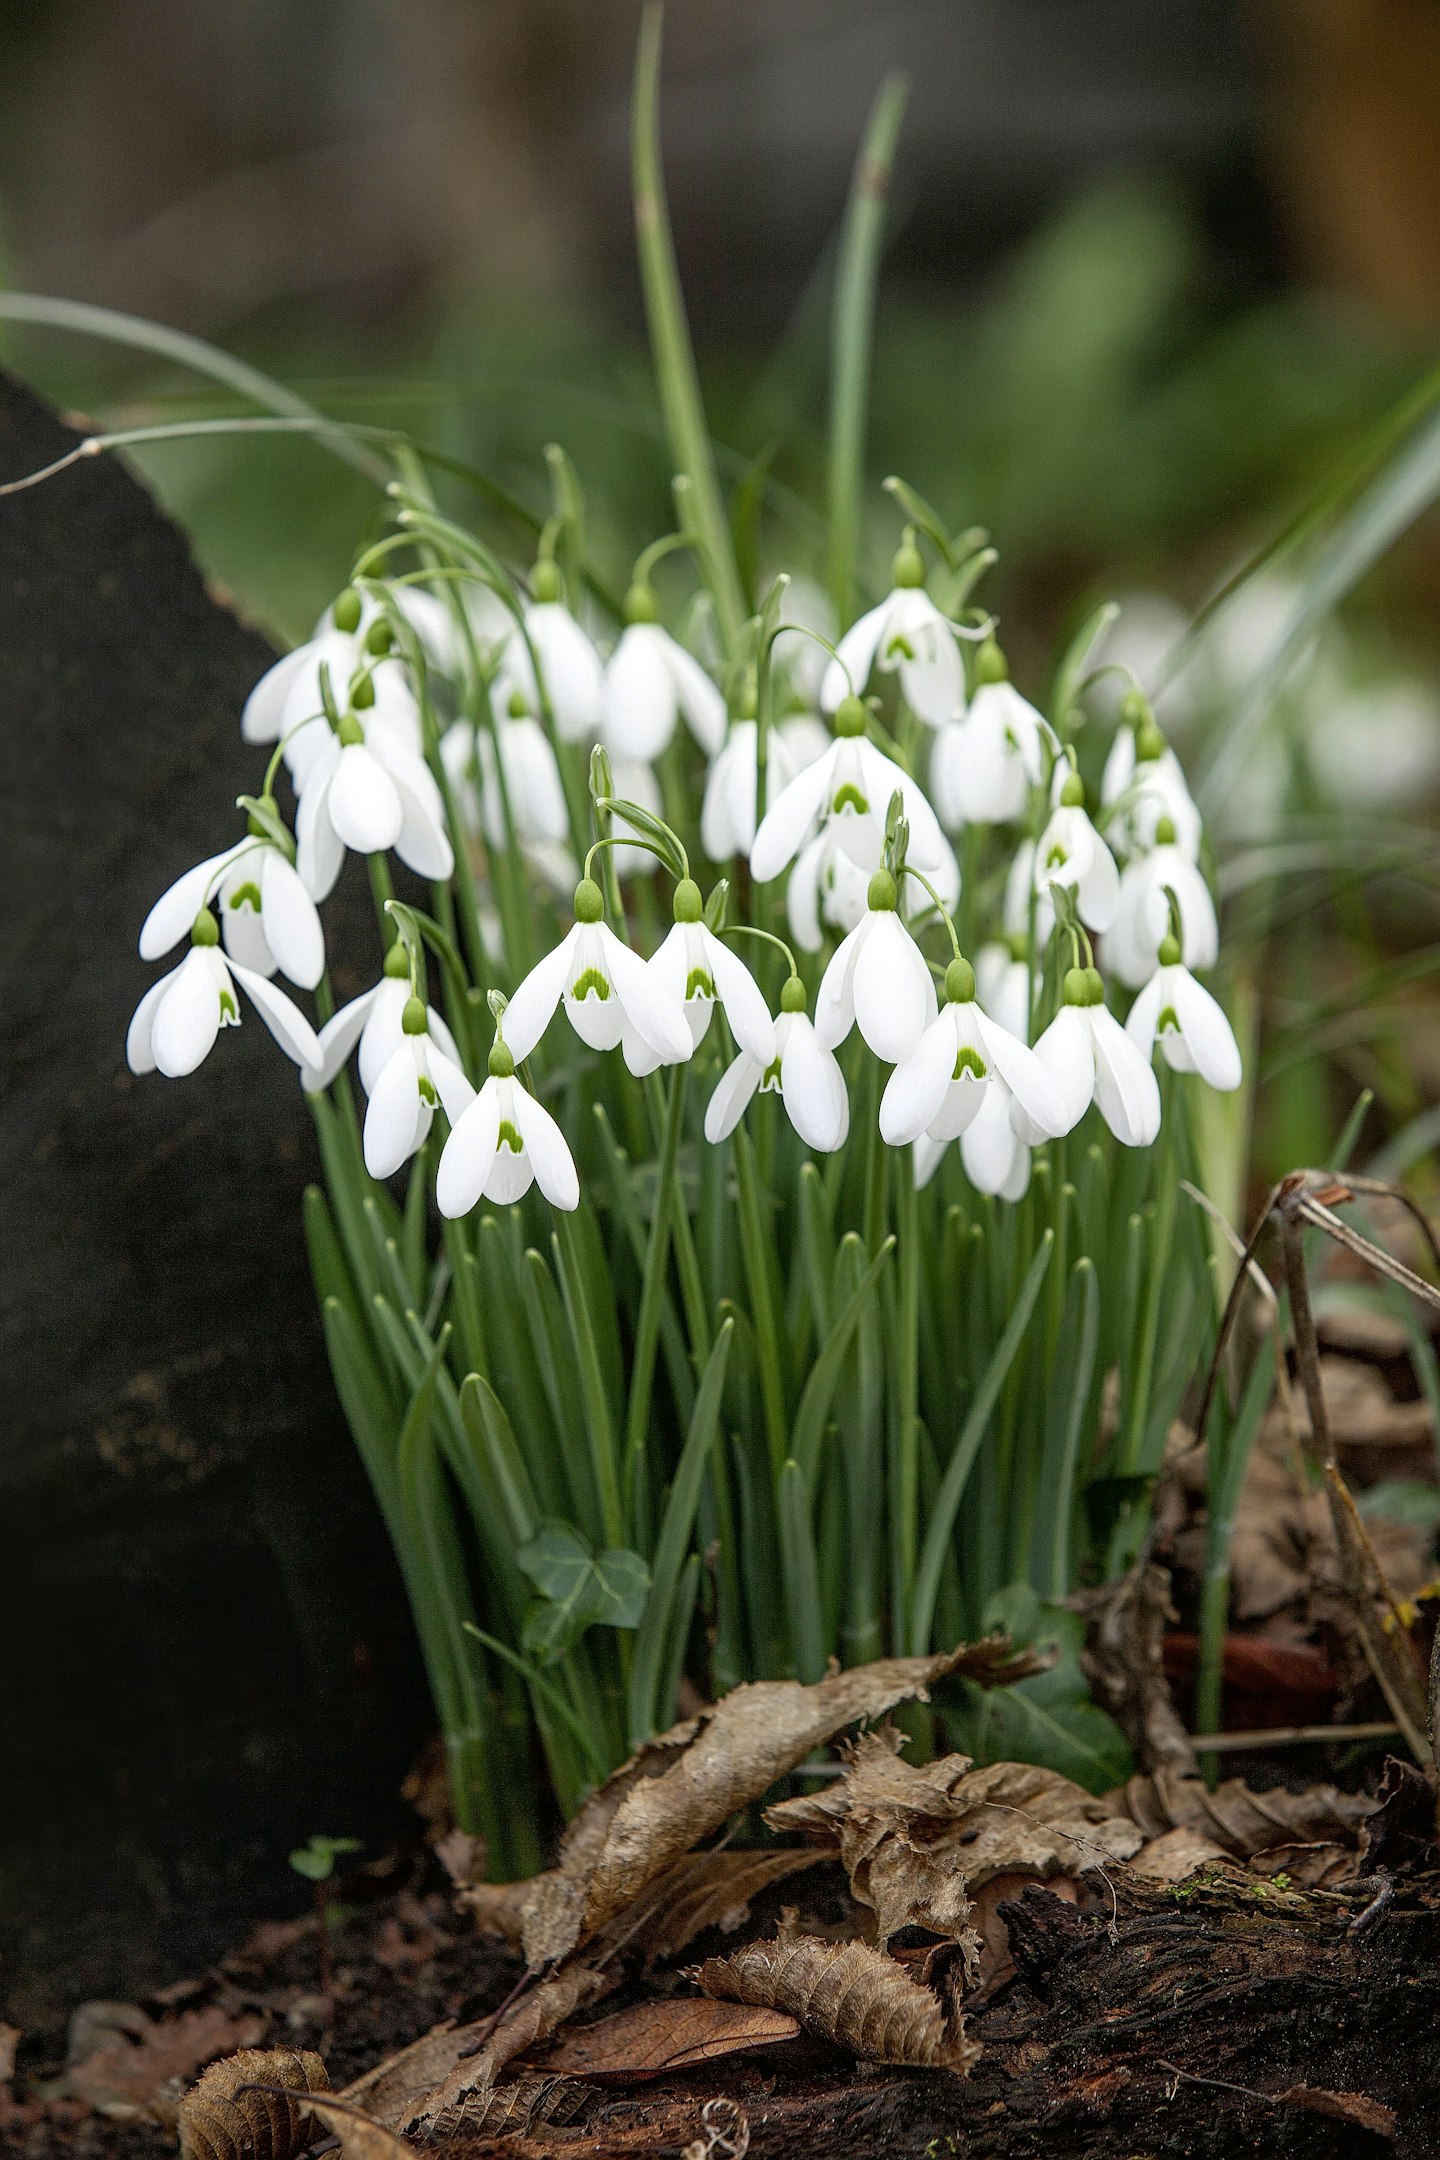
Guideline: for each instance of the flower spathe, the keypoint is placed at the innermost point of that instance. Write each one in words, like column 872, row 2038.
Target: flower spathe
column 1179, row 1014
column 503, row 1143
column 415, row 1078
column 803, row 1072
column 939, row 1088
column 878, row 980
column 1090, row 1058
column 176, row 1022
column 609, row 994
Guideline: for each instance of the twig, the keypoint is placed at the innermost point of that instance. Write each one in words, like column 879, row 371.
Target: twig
column 1221, row 1743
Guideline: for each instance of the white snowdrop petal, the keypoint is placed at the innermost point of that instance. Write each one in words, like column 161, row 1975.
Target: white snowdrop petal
column 835, row 999
column 649, row 1008
column 139, row 1049
column 786, row 824
column 422, row 841
column 1026, row 1077
column 743, row 1000
column 916, row 1089
column 545, row 1144
column 855, row 656
column 449, row 1082
column 637, row 702
column 363, row 802
column 263, row 717
column 173, row 914
column 1067, row 1054
column 1205, row 1030
column 532, row 1008
column 990, row 1147
column 284, row 1019
column 1097, row 894
column 802, row 897
column 290, row 921
column 699, row 701
column 319, row 850
column 571, row 668
column 812, row 1087
column 890, row 989
column 393, row 1116
column 468, row 1154
column 337, row 1039
column 242, row 933
column 383, row 1031
column 734, row 1091
column 928, row 845
column 187, row 1018
column 1141, row 1020
column 1127, row 1093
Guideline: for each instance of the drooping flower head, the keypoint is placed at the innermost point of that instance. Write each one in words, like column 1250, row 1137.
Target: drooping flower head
column 502, row 1143
column 610, row 996
column 176, row 1022
column 906, row 634
column 803, row 1072
column 1179, row 1014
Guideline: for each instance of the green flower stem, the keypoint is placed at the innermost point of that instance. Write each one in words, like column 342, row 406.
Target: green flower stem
column 652, row 1292
column 906, row 1498
column 755, row 1244
column 592, row 1380
column 851, row 335
column 674, row 356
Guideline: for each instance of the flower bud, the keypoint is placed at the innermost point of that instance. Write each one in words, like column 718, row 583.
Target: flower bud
column 641, row 605
column 347, row 611
column 959, row 983
column 882, row 893
column 545, row 586
column 589, row 906
column 851, row 717
column 689, row 908
column 413, row 1019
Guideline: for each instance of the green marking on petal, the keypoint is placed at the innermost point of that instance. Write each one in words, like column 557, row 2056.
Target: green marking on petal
column 427, row 1091
column 699, row 984
column 770, row 1084
column 1168, row 1023
column 899, row 647
column 591, row 984
column 970, row 1061
column 849, row 797
column 229, row 1010
column 1057, row 856
column 510, row 1138
column 247, row 895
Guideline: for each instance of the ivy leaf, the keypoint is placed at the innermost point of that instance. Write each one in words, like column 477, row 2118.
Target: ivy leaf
column 578, row 1589
column 1048, row 1719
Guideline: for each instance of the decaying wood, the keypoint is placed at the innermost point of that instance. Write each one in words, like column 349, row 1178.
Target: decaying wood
column 678, row 1789
column 847, row 1993
column 219, row 2120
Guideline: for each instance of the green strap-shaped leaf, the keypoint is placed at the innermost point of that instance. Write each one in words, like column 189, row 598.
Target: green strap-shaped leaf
column 809, row 1427
column 801, row 1574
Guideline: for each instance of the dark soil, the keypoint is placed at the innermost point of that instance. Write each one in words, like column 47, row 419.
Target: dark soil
column 1210, row 2020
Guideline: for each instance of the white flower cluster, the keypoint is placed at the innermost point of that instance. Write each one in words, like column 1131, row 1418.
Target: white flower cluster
column 866, row 851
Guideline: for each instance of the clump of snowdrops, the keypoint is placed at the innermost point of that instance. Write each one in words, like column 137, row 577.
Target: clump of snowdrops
column 750, row 1230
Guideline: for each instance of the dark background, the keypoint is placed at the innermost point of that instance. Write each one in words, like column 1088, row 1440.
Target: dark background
column 1152, row 262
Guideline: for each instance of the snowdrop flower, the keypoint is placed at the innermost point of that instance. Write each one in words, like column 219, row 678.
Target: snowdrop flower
column 1145, row 779
column 268, row 919
column 852, row 779
column 570, row 668
column 366, row 787
column 697, row 969
column 995, row 1155
column 877, row 977
column 533, row 788
column 609, row 994
column 804, row 607
column 500, row 1146
column 649, row 682
column 1024, row 891
column 1090, row 1057
column 176, row 1022
column 727, row 815
column 1142, row 912
column 906, row 632
column 352, row 638
column 803, row 1072
column 983, row 767
column 831, row 878
column 1002, row 984
column 1190, row 1027
column 1071, row 852
column 414, row 1078
column 375, row 1021
column 939, row 1088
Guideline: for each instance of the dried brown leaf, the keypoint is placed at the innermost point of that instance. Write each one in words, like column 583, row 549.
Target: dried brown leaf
column 700, row 1891
column 1179, row 1853
column 1123, row 1660
column 848, row 1993
column 392, row 2089
column 522, row 2104
column 499, row 1908
column 462, row 1856
column 1349, row 2107
column 655, row 2037
column 678, row 1789
column 138, row 2071
column 1243, row 1822
column 1309, row 1867
column 915, row 1840
column 360, row 2137
column 217, row 2121
column 527, row 2022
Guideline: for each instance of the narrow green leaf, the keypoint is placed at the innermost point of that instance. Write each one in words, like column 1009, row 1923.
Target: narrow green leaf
column 801, row 1574
column 819, row 1392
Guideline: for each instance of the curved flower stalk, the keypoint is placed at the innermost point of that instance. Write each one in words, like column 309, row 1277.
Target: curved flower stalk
column 1179, row 1014
column 803, row 1072
column 268, row 919
column 905, row 635
column 806, row 626
column 1090, row 1058
column 878, row 980
column 501, row 1144
column 939, row 1089
column 415, row 1078
column 982, row 767
column 176, row 1022
column 651, row 682
column 610, row 996
column 374, row 1020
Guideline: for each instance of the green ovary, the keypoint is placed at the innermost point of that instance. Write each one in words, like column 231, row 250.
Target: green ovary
column 247, row 895
column 970, row 1061
column 591, row 984
column 510, row 1138
column 698, row 984
column 849, row 798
